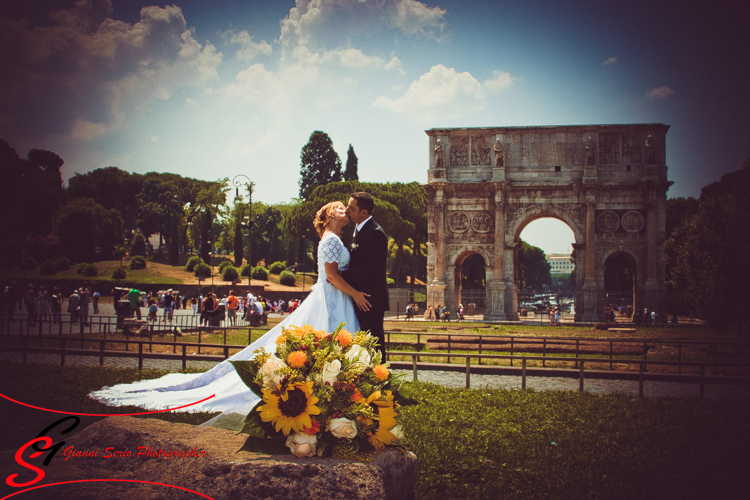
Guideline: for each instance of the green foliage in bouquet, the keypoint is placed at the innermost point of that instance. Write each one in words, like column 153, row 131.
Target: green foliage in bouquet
column 324, row 394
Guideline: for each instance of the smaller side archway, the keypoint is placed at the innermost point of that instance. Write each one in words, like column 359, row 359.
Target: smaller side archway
column 621, row 283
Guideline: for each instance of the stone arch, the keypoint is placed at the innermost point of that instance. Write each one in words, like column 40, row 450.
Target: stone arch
column 608, row 183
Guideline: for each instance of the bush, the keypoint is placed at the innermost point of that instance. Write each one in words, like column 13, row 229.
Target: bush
column 391, row 283
column 48, row 267
column 138, row 246
column 223, row 265
column 260, row 273
column 137, row 262
column 287, row 278
column 230, row 273
column 246, row 270
column 119, row 273
column 192, row 262
column 88, row 270
column 202, row 269
column 28, row 263
column 62, row 264
column 277, row 267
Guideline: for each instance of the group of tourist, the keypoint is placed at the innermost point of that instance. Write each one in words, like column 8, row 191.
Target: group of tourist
column 43, row 305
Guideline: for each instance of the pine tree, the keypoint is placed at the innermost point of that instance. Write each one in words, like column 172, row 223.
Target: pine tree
column 320, row 164
column 350, row 174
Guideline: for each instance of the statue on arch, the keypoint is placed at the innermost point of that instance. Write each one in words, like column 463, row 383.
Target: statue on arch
column 499, row 154
column 439, row 155
column 590, row 152
column 650, row 154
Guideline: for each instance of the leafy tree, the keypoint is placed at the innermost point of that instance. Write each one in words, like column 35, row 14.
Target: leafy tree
column 533, row 268
column 111, row 188
column 32, row 193
column 350, row 174
column 138, row 245
column 83, row 224
column 708, row 254
column 320, row 164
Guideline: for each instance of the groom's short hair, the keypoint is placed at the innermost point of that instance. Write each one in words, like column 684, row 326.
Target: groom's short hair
column 364, row 201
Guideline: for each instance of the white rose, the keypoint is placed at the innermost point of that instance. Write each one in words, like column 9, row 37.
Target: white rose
column 271, row 372
column 359, row 358
column 331, row 370
column 343, row 428
column 302, row 445
column 398, row 432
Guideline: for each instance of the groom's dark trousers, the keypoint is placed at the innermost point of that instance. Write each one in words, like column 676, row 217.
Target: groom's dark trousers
column 366, row 273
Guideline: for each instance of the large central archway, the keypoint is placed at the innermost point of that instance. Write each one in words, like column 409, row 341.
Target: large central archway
column 608, row 183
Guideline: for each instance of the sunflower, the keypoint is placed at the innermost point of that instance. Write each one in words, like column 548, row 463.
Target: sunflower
column 386, row 420
column 291, row 409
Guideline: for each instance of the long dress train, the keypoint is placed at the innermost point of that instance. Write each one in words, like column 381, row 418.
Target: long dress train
column 324, row 309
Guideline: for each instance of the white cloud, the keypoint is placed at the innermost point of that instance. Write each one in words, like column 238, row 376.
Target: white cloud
column 86, row 74
column 610, row 60
column 438, row 94
column 308, row 20
column 250, row 49
column 500, row 81
column 85, row 130
column 660, row 92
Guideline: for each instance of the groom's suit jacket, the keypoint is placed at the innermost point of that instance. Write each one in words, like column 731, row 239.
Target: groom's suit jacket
column 367, row 266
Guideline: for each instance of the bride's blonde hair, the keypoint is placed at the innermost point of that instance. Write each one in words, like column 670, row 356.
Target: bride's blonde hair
column 324, row 216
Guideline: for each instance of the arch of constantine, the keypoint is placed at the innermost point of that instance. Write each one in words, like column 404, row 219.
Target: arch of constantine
column 608, row 183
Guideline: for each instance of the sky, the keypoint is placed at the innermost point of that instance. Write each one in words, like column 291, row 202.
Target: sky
column 216, row 89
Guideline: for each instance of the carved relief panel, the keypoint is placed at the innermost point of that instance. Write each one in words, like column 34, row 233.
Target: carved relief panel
column 480, row 151
column 609, row 148
column 460, row 152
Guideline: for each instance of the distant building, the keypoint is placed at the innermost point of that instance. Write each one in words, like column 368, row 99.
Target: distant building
column 560, row 263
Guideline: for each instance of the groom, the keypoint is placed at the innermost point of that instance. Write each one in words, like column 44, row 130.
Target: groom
column 367, row 266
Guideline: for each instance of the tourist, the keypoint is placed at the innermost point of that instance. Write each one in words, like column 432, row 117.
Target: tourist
column 74, row 301
column 232, row 304
column 95, row 301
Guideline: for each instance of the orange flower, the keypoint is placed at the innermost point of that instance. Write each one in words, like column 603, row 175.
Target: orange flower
column 356, row 396
column 297, row 359
column 344, row 338
column 381, row 371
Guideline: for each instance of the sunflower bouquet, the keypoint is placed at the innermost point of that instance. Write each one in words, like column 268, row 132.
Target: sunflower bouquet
column 325, row 394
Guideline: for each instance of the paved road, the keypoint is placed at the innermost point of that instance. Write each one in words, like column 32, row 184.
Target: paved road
column 449, row 379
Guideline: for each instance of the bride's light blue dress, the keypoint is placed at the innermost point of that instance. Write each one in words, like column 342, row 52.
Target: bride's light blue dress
column 323, row 309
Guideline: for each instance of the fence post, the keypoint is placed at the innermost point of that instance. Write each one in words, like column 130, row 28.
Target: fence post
column 468, row 372
column 23, row 345
column 449, row 348
column 184, row 357
column 611, row 353
column 703, row 381
column 679, row 359
column 523, row 373
column 645, row 355
column 511, row 351
column 62, row 356
column 580, row 385
column 544, row 351
column 249, row 336
column 414, row 366
column 640, row 379
column 101, row 353
column 140, row 355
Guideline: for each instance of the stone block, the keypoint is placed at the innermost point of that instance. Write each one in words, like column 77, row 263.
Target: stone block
column 214, row 467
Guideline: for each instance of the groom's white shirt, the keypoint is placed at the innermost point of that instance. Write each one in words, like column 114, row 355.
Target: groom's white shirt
column 361, row 225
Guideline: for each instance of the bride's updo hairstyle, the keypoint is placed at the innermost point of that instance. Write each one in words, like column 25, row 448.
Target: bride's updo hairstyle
column 323, row 217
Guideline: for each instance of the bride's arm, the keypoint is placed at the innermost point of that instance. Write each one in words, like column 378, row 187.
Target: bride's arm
column 335, row 279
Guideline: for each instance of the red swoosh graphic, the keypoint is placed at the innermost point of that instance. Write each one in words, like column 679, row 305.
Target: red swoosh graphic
column 121, row 480
column 105, row 414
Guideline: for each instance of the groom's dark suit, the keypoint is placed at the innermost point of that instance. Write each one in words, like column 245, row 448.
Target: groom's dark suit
column 366, row 273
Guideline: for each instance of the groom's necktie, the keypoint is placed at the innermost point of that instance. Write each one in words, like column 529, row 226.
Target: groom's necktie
column 356, row 232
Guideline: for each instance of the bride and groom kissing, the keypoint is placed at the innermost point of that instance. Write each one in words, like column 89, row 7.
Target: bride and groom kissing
column 345, row 279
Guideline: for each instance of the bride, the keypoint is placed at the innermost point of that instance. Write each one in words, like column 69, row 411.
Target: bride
column 325, row 308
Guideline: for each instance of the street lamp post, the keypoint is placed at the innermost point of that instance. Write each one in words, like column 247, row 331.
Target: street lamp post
column 249, row 226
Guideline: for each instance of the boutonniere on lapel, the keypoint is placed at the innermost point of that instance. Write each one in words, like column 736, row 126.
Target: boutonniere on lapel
column 354, row 246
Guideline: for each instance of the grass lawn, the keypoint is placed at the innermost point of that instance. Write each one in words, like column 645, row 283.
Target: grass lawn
column 491, row 443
